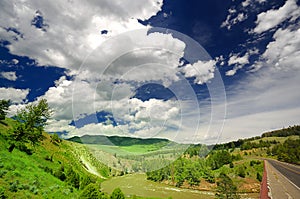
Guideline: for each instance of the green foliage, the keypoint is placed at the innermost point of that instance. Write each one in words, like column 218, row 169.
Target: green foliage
column 60, row 174
column 197, row 150
column 91, row 191
column 31, row 124
column 250, row 145
column 84, row 181
column 219, row 158
column 289, row 151
column 226, row 188
column 4, row 105
column 241, row 171
column 258, row 176
column 182, row 170
column 34, row 176
column 117, row 194
column 254, row 162
column 236, row 157
column 292, row 130
column 55, row 138
column 3, row 195
column 73, row 178
column 118, row 141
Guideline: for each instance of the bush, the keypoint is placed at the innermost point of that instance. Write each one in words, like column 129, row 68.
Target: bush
column 258, row 177
column 91, row 191
column 117, row 194
column 60, row 175
column 241, row 171
column 253, row 162
column 226, row 188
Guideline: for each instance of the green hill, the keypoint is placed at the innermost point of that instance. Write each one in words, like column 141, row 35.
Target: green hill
column 118, row 140
column 52, row 169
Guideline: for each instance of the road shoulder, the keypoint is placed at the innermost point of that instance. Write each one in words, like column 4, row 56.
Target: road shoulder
column 280, row 187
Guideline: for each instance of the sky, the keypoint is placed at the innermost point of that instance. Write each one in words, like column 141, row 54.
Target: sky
column 192, row 71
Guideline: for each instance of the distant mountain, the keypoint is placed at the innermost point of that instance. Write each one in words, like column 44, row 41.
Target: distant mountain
column 118, row 140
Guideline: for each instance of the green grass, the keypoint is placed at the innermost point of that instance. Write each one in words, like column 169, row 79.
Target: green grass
column 31, row 176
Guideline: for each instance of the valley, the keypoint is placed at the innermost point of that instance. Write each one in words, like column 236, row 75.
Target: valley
column 141, row 168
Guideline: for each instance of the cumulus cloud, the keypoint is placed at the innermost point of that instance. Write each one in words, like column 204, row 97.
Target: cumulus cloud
column 284, row 51
column 13, row 94
column 9, row 75
column 271, row 18
column 201, row 70
column 238, row 63
column 108, row 77
column 235, row 59
column 73, row 27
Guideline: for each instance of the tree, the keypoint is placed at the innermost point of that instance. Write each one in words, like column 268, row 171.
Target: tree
column 32, row 120
column 117, row 194
column 225, row 188
column 91, row 191
column 4, row 105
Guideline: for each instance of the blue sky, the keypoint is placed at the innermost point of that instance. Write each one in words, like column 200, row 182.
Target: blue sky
column 192, row 71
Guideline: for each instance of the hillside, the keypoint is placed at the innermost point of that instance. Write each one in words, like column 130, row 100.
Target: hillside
column 240, row 160
column 118, row 140
column 52, row 169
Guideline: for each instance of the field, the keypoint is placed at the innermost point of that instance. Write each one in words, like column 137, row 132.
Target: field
column 137, row 158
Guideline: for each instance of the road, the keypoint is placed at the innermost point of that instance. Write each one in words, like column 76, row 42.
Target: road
column 283, row 179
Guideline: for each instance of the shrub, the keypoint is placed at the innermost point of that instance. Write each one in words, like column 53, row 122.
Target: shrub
column 117, row 194
column 258, row 177
column 241, row 171
column 60, row 175
column 91, row 191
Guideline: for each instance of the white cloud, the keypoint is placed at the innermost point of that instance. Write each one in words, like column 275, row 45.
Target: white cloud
column 73, row 27
column 232, row 71
column 13, row 94
column 261, row 1
column 284, row 51
column 15, row 61
column 238, row 62
column 246, row 3
column 235, row 59
column 270, row 19
column 201, row 70
column 9, row 75
column 230, row 21
column 74, row 31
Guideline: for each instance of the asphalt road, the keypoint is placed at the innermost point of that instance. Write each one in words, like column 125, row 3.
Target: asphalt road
column 291, row 172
